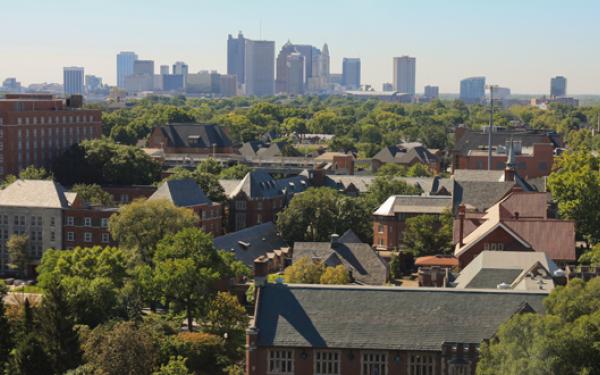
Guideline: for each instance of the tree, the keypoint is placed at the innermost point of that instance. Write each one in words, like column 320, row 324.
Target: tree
column 304, row 271
column 176, row 366
column 391, row 169
column 418, row 170
column 384, row 187
column 428, row 234
column 33, row 173
column 227, row 318
column 140, row 225
column 591, row 257
column 29, row 357
column 93, row 194
column 563, row 341
column 210, row 166
column 575, row 184
column 91, row 278
column 335, row 275
column 319, row 212
column 121, row 348
column 187, row 265
column 18, row 254
column 6, row 332
column 205, row 352
column 56, row 330
column 236, row 172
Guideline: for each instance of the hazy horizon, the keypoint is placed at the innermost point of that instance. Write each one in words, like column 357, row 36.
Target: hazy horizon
column 514, row 44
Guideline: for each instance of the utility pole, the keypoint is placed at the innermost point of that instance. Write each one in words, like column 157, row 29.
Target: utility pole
column 491, row 87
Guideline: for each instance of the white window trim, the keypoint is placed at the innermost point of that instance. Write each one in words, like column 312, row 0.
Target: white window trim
column 280, row 372
column 339, row 362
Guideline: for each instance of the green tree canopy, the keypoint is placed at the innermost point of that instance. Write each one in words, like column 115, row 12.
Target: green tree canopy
column 428, row 234
column 93, row 194
column 19, row 258
column 384, row 187
column 304, row 271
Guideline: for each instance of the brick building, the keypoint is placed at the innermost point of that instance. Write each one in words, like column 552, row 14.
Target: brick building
column 186, row 193
column 534, row 151
column 37, row 128
column 359, row 330
column 190, row 139
column 389, row 220
column 258, row 197
column 85, row 225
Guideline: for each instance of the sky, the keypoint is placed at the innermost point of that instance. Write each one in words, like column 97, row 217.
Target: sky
column 518, row 44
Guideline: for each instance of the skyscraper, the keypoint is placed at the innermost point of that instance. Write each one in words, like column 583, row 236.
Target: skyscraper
column 164, row 70
column 143, row 67
column 282, row 70
column 181, row 68
column 296, row 71
column 259, row 72
column 124, row 66
column 324, row 61
column 351, row 73
column 558, row 86
column 472, row 90
column 431, row 92
column 236, row 54
column 73, row 80
column 405, row 74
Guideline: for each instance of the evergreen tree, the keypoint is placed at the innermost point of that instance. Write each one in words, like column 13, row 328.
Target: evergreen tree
column 29, row 357
column 56, row 329
column 5, row 331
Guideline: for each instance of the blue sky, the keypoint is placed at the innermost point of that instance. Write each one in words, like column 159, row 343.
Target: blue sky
column 518, row 44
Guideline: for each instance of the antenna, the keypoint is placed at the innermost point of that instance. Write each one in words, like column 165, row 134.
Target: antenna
column 260, row 29
column 491, row 87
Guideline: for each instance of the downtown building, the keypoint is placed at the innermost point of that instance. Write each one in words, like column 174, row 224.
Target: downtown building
column 37, row 128
column 472, row 90
column 558, row 87
column 405, row 74
column 351, row 73
column 259, row 67
column 125, row 61
column 73, row 80
column 314, row 69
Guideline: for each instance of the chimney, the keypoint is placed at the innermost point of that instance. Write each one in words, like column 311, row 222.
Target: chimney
column 334, row 239
column 461, row 224
column 261, row 270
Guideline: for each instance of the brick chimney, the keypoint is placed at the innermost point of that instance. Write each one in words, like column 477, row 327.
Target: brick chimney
column 261, row 270
column 334, row 239
column 461, row 224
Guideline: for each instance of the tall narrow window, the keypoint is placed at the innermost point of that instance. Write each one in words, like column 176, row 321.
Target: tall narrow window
column 374, row 363
column 281, row 362
column 327, row 362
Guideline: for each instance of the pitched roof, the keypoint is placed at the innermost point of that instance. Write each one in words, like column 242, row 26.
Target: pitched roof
column 436, row 260
column 364, row 262
column 258, row 184
column 349, row 237
column 250, row 243
column 405, row 153
column 182, row 193
column 359, row 317
column 420, row 204
column 34, row 193
column 491, row 268
column 195, row 135
column 480, row 195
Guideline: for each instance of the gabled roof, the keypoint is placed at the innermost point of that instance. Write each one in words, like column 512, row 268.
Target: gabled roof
column 250, row 243
column 258, row 184
column 480, row 195
column 405, row 153
column 384, row 318
column 34, row 193
column 182, row 193
column 359, row 258
column 195, row 135
column 420, row 204
column 349, row 237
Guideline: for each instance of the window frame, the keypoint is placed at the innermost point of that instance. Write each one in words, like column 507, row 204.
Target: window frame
column 367, row 363
column 289, row 358
column 319, row 362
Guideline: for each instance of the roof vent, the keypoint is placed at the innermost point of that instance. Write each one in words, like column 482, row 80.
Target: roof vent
column 244, row 245
column 279, row 280
column 503, row 285
column 559, row 273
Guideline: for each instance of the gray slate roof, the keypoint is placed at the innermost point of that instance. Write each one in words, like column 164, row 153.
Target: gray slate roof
column 364, row 263
column 258, row 184
column 195, row 135
column 405, row 153
column 392, row 318
column 490, row 277
column 182, row 193
column 480, row 194
column 262, row 239
column 34, row 193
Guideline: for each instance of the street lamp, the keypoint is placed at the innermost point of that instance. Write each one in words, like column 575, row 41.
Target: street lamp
column 491, row 88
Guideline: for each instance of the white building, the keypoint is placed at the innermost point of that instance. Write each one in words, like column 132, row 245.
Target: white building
column 259, row 68
column 125, row 62
column 73, row 80
column 405, row 74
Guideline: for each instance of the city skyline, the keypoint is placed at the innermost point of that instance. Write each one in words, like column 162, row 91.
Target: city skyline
column 450, row 42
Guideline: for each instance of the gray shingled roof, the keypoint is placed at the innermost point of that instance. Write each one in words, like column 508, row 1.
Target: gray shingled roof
column 391, row 318
column 480, row 194
column 359, row 258
column 405, row 153
column 195, row 135
column 258, row 184
column 262, row 238
column 490, row 277
column 34, row 193
column 182, row 193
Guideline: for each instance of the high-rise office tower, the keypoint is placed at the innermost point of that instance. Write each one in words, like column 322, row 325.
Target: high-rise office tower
column 558, row 86
column 282, row 70
column 324, row 61
column 164, row 70
column 143, row 67
column 296, row 71
column 431, row 92
column 351, row 73
column 259, row 72
column 180, row 68
column 405, row 74
column 236, row 54
column 472, row 90
column 73, row 80
column 124, row 66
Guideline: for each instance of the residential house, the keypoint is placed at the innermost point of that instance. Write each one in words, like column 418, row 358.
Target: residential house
column 186, row 193
column 190, row 139
column 362, row 262
column 389, row 220
column 519, row 222
column 407, row 155
column 353, row 330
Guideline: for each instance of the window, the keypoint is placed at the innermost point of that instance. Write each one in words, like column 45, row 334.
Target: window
column 52, row 236
column 105, row 237
column 22, row 222
column 70, row 220
column 494, row 246
column 52, row 221
column 70, row 236
column 281, row 362
column 240, row 205
column 479, row 164
column 124, row 198
column 258, row 219
column 421, row 364
column 374, row 363
column 380, row 228
column 104, row 222
column 87, row 237
column 39, row 221
column 543, row 166
column 327, row 363
column 259, row 205
column 87, row 221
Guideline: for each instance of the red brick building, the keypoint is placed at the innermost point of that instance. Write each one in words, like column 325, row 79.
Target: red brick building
column 191, row 139
column 534, row 151
column 85, row 225
column 37, row 128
